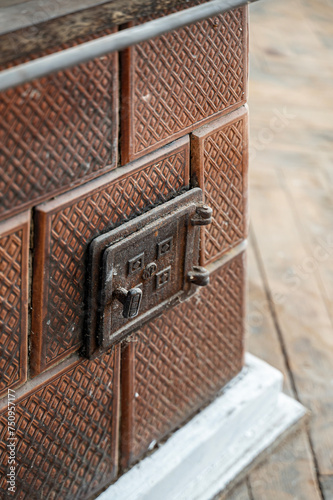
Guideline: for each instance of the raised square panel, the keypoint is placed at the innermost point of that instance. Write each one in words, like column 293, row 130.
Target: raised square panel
column 164, row 247
column 219, row 166
column 177, row 362
column 14, row 265
column 66, row 432
column 136, row 264
column 174, row 83
column 64, row 229
column 58, row 132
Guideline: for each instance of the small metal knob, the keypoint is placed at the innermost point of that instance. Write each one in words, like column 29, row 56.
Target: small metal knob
column 198, row 276
column 131, row 300
column 203, row 216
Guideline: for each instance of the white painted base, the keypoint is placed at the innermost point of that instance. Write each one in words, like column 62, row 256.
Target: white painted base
column 203, row 457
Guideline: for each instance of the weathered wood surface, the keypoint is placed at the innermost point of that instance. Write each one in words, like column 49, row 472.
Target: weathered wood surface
column 286, row 474
column 327, row 486
column 239, row 492
column 297, row 303
column 290, row 261
column 262, row 336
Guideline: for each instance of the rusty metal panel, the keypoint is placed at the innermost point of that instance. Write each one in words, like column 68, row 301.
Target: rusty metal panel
column 67, row 433
column 14, row 263
column 219, row 165
column 142, row 268
column 58, row 132
column 65, row 227
column 177, row 362
column 176, row 82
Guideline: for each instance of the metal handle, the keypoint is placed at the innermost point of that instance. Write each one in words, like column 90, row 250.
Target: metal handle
column 131, row 300
column 198, row 276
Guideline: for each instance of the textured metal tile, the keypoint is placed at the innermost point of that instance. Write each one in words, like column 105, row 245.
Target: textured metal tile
column 58, row 131
column 219, row 166
column 14, row 261
column 174, row 82
column 177, row 362
column 65, row 227
column 66, row 432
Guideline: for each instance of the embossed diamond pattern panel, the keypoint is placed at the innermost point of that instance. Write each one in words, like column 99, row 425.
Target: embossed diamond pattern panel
column 220, row 161
column 65, row 228
column 66, row 434
column 181, row 79
column 14, row 254
column 57, row 132
column 181, row 359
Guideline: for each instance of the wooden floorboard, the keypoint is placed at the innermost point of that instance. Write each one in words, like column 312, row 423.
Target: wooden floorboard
column 311, row 197
column 295, row 308
column 290, row 476
column 327, row 486
column 261, row 337
column 239, row 492
column 290, row 258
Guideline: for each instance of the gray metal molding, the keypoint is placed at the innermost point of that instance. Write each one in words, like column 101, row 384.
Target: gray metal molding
column 73, row 56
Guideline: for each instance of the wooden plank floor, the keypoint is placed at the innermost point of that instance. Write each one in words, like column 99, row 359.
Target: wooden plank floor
column 290, row 261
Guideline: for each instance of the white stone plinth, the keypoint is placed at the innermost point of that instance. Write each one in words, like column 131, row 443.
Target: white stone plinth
column 209, row 452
